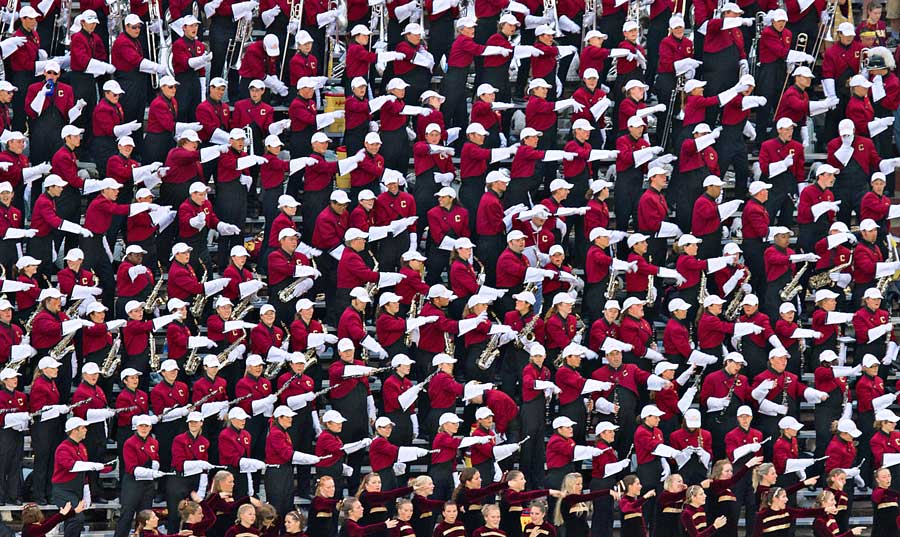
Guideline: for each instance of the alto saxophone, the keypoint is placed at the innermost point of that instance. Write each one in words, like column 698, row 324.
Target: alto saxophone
column 273, row 368
column 651, row 289
column 703, row 292
column 612, row 287
column 112, row 360
column 200, row 300
column 287, row 294
column 734, row 307
column 223, row 356
column 30, row 321
column 823, row 279
column 372, row 288
column 415, row 307
column 72, row 310
column 154, row 358
column 489, row 354
column 527, row 332
column 153, row 299
column 793, row 287
column 193, row 362
column 244, row 306
column 449, row 344
column 64, row 347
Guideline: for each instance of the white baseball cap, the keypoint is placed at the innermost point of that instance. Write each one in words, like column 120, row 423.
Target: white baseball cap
column 237, row 413
column 113, row 86
column 789, row 422
column 847, row 426
column 74, row 423
column 270, row 42
column 651, row 410
column 563, row 421
column 483, row 413
column 758, row 186
column 449, row 417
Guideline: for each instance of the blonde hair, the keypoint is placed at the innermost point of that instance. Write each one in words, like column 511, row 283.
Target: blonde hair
column 218, row 479
column 568, row 487
column 421, row 482
column 760, row 472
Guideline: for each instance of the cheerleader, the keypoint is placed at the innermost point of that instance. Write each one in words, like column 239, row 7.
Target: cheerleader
column 294, row 522
column 146, row 522
column 35, row 525
column 538, row 526
column 375, row 501
column 669, row 507
column 765, row 477
column 631, row 506
column 693, row 516
column 424, row 508
column 323, row 510
column 513, row 500
column 450, row 525
column 573, row 510
column 268, row 521
column 825, row 525
column 776, row 519
column 404, row 517
column 884, row 502
column 491, row 515
column 245, row 525
column 834, row 483
column 196, row 516
column 723, row 501
column 351, row 513
column 469, row 494
column 221, row 501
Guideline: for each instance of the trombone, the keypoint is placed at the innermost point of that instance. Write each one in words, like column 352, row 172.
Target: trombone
column 295, row 15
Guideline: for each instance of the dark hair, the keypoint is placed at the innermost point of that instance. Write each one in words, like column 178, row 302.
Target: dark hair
column 464, row 477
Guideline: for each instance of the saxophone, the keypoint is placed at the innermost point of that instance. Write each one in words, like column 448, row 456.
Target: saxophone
column 527, row 332
column 192, row 363
column 734, row 307
column 372, row 288
column 244, row 306
column 651, row 289
column 490, row 353
column 449, row 344
column 64, row 347
column 153, row 299
column 223, row 356
column 273, row 368
column 612, row 287
column 784, row 391
column 793, row 287
column 200, row 300
column 112, row 360
column 823, row 279
column 415, row 307
column 883, row 282
column 72, row 310
column 287, row 294
column 154, row 358
column 703, row 292
column 30, row 321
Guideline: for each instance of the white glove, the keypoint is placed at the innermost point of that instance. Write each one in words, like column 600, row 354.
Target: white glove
column 225, row 229
column 197, row 221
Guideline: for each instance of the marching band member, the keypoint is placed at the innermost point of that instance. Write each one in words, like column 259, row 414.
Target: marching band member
column 71, row 462
column 141, row 454
column 722, row 391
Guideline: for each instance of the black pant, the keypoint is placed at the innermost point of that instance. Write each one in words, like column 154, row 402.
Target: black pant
column 135, row 496
column 45, row 436
column 230, row 207
column 781, row 203
column 189, row 94
column 12, row 447
column 533, row 452
column 280, row 487
column 627, row 193
column 72, row 493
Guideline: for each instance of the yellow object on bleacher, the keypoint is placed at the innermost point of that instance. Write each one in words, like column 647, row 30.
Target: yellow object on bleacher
column 334, row 101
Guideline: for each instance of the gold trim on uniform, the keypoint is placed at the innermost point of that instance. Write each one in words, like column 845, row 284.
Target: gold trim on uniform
column 323, row 514
column 777, row 528
column 513, row 508
column 381, row 509
column 727, row 499
column 775, row 517
column 672, row 510
column 632, row 515
column 886, row 505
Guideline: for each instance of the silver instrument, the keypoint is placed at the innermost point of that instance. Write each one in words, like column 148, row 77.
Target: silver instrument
column 154, row 357
column 793, row 287
column 61, row 24
column 296, row 17
column 158, row 46
column 234, row 53
column 200, row 300
column 223, row 356
column 111, row 363
column 8, row 19
column 550, row 5
column 490, row 353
